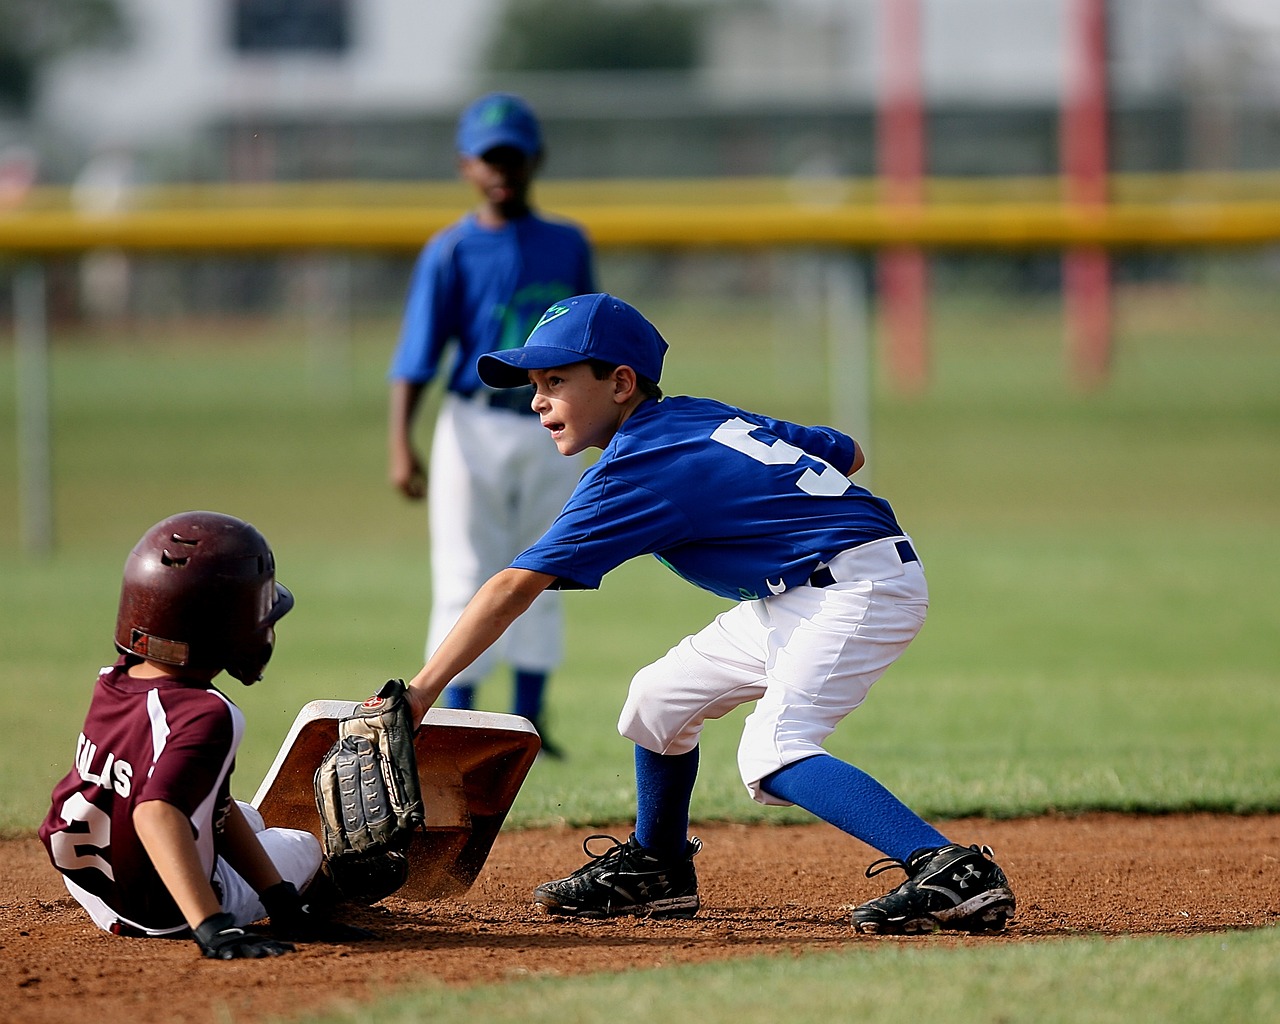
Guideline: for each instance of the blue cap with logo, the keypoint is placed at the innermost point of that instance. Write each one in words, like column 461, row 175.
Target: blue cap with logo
column 597, row 326
column 498, row 119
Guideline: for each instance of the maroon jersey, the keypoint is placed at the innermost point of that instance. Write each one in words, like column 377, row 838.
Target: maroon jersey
column 143, row 739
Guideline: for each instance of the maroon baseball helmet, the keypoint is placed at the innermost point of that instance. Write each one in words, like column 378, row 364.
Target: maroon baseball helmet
column 200, row 591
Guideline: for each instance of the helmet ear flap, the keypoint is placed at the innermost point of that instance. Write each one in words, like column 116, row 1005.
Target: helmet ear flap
column 249, row 670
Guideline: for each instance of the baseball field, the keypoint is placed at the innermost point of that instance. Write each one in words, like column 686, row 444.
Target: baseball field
column 1096, row 692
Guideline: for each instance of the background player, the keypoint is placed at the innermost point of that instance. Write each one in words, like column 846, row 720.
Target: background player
column 143, row 827
column 830, row 592
column 495, row 482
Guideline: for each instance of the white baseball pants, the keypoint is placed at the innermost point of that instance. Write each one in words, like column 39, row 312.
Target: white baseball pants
column 807, row 657
column 497, row 482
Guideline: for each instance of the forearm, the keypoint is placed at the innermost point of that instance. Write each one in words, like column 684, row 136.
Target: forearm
column 495, row 606
column 402, row 408
column 165, row 833
column 240, row 847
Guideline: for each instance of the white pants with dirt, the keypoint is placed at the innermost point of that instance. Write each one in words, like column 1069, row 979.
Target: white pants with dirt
column 807, row 657
column 497, row 482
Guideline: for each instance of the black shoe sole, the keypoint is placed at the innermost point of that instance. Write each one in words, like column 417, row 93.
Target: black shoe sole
column 676, row 909
column 991, row 919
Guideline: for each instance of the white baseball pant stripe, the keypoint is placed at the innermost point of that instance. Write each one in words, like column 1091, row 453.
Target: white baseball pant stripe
column 807, row 657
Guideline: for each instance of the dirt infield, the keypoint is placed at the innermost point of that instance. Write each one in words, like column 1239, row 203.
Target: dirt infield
column 765, row 890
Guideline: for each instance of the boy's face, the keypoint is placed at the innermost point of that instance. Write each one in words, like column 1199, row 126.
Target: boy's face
column 502, row 176
column 580, row 411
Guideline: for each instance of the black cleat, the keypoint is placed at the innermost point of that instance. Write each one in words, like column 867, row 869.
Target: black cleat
column 958, row 887
column 625, row 879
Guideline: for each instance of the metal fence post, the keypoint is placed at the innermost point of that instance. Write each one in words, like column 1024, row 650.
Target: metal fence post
column 31, row 376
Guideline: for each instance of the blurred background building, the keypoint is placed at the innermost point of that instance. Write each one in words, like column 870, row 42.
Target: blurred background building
column 309, row 89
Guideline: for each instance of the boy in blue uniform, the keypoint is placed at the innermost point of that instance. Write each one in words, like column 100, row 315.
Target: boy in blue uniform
column 480, row 285
column 829, row 589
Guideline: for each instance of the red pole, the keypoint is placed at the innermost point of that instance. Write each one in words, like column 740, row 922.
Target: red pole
column 900, row 152
column 1086, row 273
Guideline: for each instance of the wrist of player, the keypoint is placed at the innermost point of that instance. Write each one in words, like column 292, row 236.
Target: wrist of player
column 219, row 938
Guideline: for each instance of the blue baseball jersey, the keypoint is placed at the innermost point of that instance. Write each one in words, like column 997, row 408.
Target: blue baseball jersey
column 484, row 288
column 739, row 504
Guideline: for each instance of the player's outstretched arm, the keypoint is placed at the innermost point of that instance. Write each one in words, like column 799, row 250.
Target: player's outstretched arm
column 165, row 833
column 496, row 605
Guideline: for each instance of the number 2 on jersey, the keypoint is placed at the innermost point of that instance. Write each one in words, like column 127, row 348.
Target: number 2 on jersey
column 736, row 434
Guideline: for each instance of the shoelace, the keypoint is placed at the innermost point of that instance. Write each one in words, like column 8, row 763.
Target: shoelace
column 884, row 864
column 619, row 849
column 887, row 863
column 614, row 852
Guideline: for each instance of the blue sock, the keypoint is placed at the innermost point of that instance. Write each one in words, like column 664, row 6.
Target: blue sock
column 459, row 696
column 854, row 802
column 528, row 694
column 664, row 789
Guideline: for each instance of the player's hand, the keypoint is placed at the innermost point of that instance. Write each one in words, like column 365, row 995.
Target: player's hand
column 220, row 939
column 408, row 474
column 294, row 917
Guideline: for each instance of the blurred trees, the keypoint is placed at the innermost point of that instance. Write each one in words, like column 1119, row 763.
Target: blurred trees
column 595, row 35
column 34, row 32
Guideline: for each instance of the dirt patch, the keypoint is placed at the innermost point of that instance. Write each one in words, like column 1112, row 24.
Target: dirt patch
column 765, row 890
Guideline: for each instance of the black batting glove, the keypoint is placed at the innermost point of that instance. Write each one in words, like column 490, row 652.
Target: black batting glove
column 220, row 939
column 294, row 917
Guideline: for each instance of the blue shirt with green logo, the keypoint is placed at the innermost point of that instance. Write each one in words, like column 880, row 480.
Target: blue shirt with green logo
column 740, row 504
column 482, row 289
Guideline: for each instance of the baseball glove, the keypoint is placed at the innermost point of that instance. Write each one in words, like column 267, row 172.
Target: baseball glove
column 369, row 799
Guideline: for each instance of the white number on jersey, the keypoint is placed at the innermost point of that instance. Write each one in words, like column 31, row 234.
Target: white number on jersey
column 736, row 434
column 90, row 831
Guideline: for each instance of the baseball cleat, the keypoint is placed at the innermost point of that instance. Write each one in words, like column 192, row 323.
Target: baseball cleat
column 957, row 887
column 624, row 880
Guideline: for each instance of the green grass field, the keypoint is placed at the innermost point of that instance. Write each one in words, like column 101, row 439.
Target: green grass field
column 1103, row 566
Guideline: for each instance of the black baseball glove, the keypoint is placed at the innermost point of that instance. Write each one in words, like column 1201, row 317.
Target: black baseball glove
column 369, row 799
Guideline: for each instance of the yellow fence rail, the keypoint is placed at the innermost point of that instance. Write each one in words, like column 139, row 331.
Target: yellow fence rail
column 1164, row 211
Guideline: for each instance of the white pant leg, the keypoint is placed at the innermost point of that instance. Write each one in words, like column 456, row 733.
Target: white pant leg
column 704, row 676
column 295, row 853
column 543, row 480
column 497, row 482
column 827, row 654
column 808, row 657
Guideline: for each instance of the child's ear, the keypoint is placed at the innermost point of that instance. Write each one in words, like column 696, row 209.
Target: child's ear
column 624, row 383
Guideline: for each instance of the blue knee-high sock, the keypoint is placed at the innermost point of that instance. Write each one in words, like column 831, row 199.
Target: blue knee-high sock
column 529, row 687
column 459, row 696
column 854, row 802
column 664, row 790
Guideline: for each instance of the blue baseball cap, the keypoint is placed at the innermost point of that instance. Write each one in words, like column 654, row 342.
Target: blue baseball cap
column 596, row 326
column 498, row 119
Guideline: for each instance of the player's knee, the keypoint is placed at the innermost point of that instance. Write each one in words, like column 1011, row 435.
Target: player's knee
column 651, row 719
column 760, row 754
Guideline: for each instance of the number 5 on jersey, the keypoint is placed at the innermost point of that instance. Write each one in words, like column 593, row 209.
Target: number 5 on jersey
column 736, row 434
